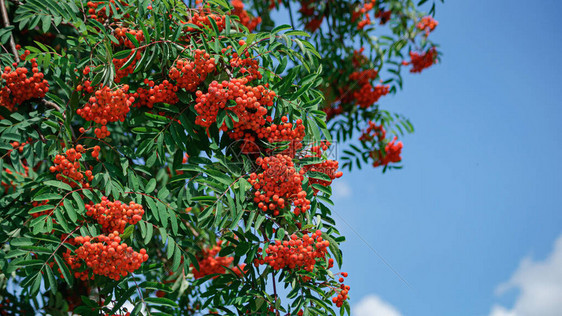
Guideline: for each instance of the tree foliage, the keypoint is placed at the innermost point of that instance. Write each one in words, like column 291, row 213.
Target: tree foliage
column 172, row 158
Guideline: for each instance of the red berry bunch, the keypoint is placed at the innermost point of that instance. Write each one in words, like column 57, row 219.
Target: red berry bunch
column 107, row 105
column 296, row 253
column 245, row 19
column 384, row 16
column 342, row 291
column 114, row 216
column 161, row 93
column 248, row 67
column 328, row 167
column 421, row 61
column 201, row 19
column 391, row 153
column 286, row 132
column 86, row 87
column 388, row 152
column 118, row 63
column 68, row 169
column 210, row 263
column 190, row 74
column 307, row 10
column 99, row 15
column 17, row 87
column 279, row 185
column 121, row 35
column 18, row 146
column 372, row 132
column 74, row 262
column 273, row 4
column 364, row 12
column 107, row 256
column 358, row 59
column 250, row 105
column 102, row 14
column 427, row 24
column 367, row 95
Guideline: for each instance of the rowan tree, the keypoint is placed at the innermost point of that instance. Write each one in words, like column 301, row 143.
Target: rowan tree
column 174, row 158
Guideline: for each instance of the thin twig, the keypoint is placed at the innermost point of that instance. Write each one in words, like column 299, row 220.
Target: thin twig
column 291, row 16
column 51, row 105
column 6, row 23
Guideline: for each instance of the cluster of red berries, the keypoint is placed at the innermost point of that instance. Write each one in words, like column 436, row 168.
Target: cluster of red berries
column 102, row 14
column 245, row 19
column 118, row 63
column 384, row 16
column 391, row 151
column 342, row 291
column 250, row 105
column 210, row 263
column 19, row 147
column 372, row 131
column 161, row 93
column 364, row 12
column 286, row 132
column 366, row 95
column 328, row 167
column 296, row 253
column 248, row 66
column 421, row 61
column 107, row 256
column 107, row 105
column 307, row 10
column 86, row 87
column 201, row 19
column 190, row 74
column 67, row 167
column 273, row 4
column 358, row 59
column 73, row 261
column 18, row 87
column 427, row 24
column 121, row 35
column 114, row 216
column 279, row 185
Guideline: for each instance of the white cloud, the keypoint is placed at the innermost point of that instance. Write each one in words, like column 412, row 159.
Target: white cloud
column 372, row 305
column 340, row 189
column 539, row 284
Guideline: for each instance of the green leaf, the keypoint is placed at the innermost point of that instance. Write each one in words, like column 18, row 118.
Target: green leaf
column 58, row 184
column 161, row 301
column 51, row 278
column 150, row 186
column 64, row 270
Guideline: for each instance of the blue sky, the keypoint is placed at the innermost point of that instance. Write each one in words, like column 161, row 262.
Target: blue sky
column 480, row 187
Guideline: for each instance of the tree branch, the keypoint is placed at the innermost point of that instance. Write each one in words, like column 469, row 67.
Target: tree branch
column 6, row 23
column 51, row 105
